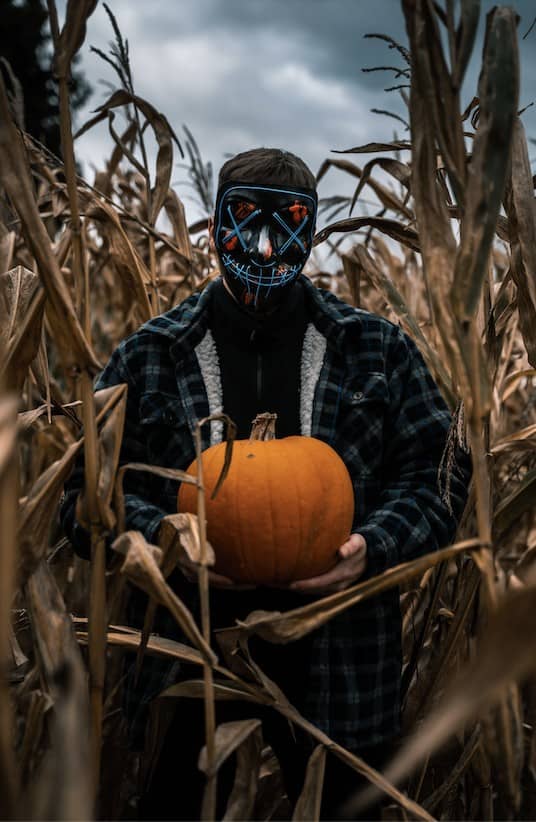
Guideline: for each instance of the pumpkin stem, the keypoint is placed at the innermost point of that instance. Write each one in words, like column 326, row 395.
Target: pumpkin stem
column 263, row 427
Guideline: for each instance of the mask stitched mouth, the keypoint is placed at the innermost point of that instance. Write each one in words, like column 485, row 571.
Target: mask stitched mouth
column 263, row 236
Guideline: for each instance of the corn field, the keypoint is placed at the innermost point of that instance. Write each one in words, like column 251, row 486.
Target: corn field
column 450, row 255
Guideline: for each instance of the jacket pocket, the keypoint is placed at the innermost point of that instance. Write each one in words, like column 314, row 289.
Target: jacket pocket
column 165, row 430
column 362, row 415
column 367, row 388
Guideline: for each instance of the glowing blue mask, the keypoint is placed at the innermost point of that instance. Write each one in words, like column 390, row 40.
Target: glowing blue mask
column 263, row 235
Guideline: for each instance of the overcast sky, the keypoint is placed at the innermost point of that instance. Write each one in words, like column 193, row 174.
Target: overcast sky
column 285, row 73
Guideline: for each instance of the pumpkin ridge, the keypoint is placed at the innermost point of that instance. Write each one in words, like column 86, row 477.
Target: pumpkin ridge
column 312, row 472
column 297, row 497
column 244, row 559
column 268, row 482
column 208, row 458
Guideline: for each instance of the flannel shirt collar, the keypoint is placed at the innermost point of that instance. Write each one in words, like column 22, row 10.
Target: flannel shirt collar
column 332, row 317
column 187, row 323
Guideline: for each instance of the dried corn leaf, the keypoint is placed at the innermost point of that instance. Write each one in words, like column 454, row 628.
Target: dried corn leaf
column 386, row 197
column 159, row 646
column 524, row 439
column 482, row 683
column 229, row 736
column 73, row 33
column 400, row 171
column 228, row 691
column 498, row 94
column 164, row 135
column 127, row 262
column 8, row 558
column 397, row 231
column 103, row 179
column 352, row 271
column 35, row 511
column 522, row 499
column 521, row 210
column 124, row 147
column 7, row 248
column 40, row 704
column 368, row 148
column 64, row 789
column 310, row 799
column 17, row 288
column 503, row 733
column 18, row 350
column 248, row 764
column 177, row 217
column 178, row 538
column 15, row 178
column 27, row 418
column 110, row 440
column 22, row 302
column 184, row 530
column 433, row 800
column 442, row 96
column 525, row 569
column 141, row 567
column 465, row 38
column 438, row 245
column 45, row 493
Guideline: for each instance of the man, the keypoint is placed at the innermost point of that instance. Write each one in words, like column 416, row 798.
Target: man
column 263, row 338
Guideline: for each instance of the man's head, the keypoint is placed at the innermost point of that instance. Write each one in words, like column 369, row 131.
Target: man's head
column 264, row 224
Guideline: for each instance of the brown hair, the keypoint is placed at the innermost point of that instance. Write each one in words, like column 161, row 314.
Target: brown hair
column 271, row 166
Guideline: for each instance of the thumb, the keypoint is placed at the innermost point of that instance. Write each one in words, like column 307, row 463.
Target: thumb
column 353, row 545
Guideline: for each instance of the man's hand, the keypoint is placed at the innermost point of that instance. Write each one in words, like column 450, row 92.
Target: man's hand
column 178, row 538
column 215, row 580
column 351, row 565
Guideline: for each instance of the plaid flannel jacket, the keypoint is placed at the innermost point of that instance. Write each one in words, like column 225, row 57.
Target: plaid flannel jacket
column 376, row 404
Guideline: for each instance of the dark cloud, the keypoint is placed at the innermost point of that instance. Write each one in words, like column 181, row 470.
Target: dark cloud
column 285, row 72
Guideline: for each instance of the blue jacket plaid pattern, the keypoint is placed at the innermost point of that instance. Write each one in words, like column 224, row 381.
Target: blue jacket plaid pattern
column 376, row 404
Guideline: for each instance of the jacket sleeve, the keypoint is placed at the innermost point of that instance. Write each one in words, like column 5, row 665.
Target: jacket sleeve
column 143, row 491
column 412, row 516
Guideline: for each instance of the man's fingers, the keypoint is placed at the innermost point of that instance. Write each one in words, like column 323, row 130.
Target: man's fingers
column 219, row 581
column 354, row 545
column 324, row 590
column 341, row 576
column 332, row 577
column 215, row 580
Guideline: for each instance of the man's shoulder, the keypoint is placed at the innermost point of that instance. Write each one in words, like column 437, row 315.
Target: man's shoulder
column 146, row 356
column 358, row 320
column 169, row 324
column 162, row 331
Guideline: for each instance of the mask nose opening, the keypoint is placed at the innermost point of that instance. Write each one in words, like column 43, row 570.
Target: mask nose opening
column 262, row 248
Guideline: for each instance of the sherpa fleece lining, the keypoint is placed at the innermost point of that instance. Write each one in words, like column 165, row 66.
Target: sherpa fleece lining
column 207, row 357
column 313, row 352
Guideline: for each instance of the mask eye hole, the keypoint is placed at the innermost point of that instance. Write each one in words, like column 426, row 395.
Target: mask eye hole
column 298, row 212
column 238, row 214
column 292, row 221
column 242, row 209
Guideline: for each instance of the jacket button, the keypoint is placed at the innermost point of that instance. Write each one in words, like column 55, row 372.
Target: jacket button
column 357, row 396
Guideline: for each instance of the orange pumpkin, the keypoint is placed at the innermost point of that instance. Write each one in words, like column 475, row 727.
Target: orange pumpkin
column 282, row 512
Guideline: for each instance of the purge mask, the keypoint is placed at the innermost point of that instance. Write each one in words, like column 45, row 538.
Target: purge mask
column 263, row 235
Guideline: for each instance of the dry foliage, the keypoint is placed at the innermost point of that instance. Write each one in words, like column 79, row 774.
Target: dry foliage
column 82, row 265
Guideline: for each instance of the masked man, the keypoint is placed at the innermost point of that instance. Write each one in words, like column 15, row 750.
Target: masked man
column 263, row 338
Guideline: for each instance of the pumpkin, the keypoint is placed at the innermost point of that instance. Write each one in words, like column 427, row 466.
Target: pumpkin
column 283, row 510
